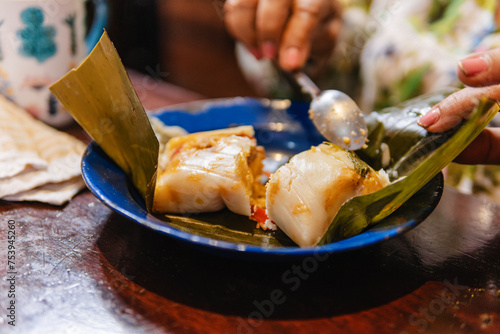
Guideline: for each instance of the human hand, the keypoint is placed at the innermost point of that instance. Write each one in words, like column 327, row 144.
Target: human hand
column 481, row 72
column 289, row 31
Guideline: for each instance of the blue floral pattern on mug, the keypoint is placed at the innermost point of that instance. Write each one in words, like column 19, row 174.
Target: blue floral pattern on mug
column 37, row 40
column 70, row 21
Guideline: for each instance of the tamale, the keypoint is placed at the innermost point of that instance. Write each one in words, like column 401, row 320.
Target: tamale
column 208, row 171
column 304, row 195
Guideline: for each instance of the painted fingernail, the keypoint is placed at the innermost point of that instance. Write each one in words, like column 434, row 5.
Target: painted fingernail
column 430, row 118
column 291, row 57
column 255, row 52
column 269, row 50
column 473, row 65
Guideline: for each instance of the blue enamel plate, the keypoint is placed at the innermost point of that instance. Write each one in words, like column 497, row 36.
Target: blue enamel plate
column 284, row 129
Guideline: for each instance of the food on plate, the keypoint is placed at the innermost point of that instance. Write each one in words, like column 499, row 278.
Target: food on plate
column 207, row 171
column 304, row 195
column 99, row 94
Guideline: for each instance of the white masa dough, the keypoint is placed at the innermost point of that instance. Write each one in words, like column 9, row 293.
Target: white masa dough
column 304, row 195
column 208, row 171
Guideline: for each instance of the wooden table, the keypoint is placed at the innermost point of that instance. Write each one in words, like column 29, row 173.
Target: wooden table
column 82, row 268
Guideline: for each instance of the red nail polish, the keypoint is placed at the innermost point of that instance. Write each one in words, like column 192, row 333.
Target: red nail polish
column 255, row 52
column 430, row 118
column 473, row 66
column 269, row 50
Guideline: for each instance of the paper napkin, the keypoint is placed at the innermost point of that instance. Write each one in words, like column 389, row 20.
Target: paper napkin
column 37, row 162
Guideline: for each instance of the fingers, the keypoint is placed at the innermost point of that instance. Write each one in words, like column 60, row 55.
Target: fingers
column 272, row 16
column 258, row 23
column 480, row 69
column 307, row 16
column 484, row 150
column 456, row 107
column 482, row 73
column 284, row 29
column 239, row 17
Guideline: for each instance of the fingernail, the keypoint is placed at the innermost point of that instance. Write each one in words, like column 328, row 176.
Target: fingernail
column 269, row 50
column 291, row 57
column 473, row 65
column 255, row 52
column 430, row 118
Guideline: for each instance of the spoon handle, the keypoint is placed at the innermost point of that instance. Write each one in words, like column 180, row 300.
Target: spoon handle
column 306, row 83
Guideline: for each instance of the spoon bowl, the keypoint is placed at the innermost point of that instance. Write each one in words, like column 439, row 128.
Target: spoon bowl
column 338, row 118
column 335, row 115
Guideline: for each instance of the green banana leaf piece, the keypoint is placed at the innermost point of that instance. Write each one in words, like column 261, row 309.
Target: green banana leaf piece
column 100, row 97
column 416, row 157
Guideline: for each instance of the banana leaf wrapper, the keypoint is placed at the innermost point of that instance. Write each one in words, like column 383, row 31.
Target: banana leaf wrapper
column 100, row 97
column 416, row 156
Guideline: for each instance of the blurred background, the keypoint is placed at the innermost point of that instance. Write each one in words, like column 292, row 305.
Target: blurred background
column 183, row 42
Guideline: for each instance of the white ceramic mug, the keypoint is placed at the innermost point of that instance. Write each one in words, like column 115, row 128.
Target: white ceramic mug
column 40, row 41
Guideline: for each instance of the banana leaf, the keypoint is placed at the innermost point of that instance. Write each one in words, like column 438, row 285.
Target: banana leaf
column 416, row 156
column 100, row 97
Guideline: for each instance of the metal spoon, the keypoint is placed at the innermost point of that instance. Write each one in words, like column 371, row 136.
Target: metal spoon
column 336, row 116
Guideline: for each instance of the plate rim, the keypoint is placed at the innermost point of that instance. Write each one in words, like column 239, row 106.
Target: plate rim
column 158, row 225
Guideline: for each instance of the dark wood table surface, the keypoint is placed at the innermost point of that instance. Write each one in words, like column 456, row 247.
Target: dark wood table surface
column 81, row 268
